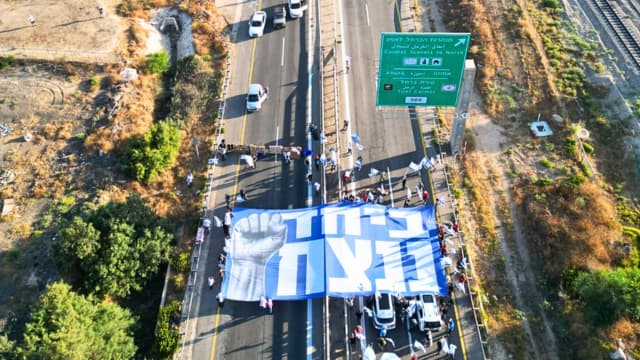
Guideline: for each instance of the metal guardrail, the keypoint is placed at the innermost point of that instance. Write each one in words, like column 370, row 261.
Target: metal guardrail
column 197, row 249
column 481, row 329
column 59, row 54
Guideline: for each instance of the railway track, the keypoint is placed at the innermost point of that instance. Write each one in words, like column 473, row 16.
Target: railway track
column 634, row 5
column 624, row 31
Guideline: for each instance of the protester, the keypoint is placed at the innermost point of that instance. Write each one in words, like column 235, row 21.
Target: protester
column 220, row 299
column 419, row 346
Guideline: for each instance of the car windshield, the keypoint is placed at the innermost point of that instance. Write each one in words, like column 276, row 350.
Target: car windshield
column 253, row 97
column 295, row 5
column 432, row 324
column 256, row 23
column 384, row 303
column 428, row 299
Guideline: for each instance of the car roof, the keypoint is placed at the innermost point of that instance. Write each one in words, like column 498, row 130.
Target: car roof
column 258, row 15
column 254, row 88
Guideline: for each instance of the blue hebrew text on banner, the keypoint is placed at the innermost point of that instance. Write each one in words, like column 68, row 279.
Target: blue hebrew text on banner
column 337, row 250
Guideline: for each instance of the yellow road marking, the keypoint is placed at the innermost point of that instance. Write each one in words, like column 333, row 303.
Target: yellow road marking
column 235, row 186
column 463, row 347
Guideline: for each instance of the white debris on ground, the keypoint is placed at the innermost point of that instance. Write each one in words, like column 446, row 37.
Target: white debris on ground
column 158, row 41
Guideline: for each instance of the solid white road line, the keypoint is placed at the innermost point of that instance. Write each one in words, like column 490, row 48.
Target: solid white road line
column 282, row 55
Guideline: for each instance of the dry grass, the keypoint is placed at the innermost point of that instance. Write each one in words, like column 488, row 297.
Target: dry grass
column 564, row 237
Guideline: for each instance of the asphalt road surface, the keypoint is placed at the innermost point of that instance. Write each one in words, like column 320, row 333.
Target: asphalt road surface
column 277, row 60
column 391, row 138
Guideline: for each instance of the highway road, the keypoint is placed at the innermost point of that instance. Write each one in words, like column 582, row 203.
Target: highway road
column 391, row 138
column 278, row 60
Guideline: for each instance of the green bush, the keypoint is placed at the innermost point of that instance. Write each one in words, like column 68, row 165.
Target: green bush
column 635, row 106
column 572, row 146
column 6, row 61
column 158, row 63
column 64, row 205
column 181, row 262
column 544, row 181
column 167, row 336
column 585, row 168
column 574, row 180
column 546, row 163
column 609, row 294
column 153, row 151
column 13, row 254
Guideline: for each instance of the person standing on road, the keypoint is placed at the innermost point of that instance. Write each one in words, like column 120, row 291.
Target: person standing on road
column 101, row 11
column 32, row 20
column 430, row 338
column 211, row 281
column 404, row 181
column 452, row 351
column 226, row 226
column 316, row 186
column 452, row 325
column 220, row 299
column 425, row 196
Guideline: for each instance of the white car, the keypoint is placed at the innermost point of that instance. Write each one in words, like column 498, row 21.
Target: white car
column 428, row 313
column 296, row 9
column 384, row 313
column 257, row 23
column 256, row 95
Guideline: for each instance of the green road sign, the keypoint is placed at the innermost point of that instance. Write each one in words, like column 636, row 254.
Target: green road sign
column 421, row 69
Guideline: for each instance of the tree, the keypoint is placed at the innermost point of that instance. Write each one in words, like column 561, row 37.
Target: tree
column 609, row 294
column 79, row 241
column 153, row 151
column 65, row 325
column 116, row 249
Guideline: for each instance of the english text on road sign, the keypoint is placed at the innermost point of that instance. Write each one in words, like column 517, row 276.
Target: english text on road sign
column 422, row 69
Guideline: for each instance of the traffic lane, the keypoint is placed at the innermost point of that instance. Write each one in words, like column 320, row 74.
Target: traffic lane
column 404, row 336
column 384, row 133
column 241, row 68
column 273, row 184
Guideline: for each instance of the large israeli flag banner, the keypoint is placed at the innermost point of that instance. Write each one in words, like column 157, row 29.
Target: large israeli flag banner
column 336, row 250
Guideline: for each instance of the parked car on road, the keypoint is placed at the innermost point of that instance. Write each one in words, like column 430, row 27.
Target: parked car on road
column 384, row 313
column 256, row 23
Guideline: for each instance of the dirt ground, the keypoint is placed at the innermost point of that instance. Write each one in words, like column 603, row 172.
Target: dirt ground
column 490, row 143
column 55, row 106
column 64, row 29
